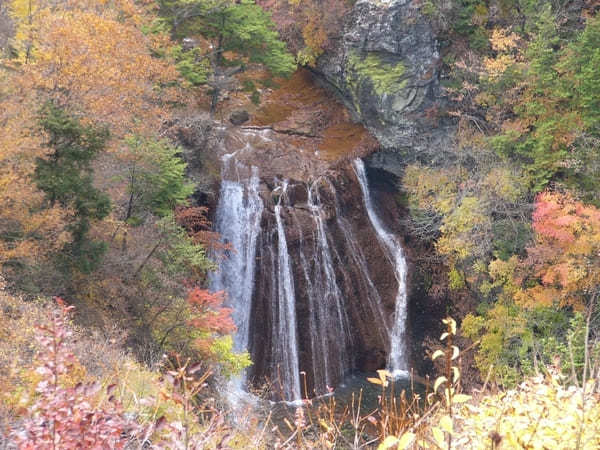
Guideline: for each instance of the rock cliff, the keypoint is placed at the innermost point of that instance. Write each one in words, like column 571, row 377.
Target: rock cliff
column 385, row 67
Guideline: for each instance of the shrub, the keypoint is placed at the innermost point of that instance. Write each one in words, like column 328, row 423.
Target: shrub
column 69, row 417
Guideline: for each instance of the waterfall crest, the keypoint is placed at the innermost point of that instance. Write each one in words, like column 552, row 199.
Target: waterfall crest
column 397, row 360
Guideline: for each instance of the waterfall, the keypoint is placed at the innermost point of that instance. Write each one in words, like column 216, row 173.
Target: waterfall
column 328, row 317
column 323, row 250
column 318, row 347
column 285, row 346
column 397, row 361
column 237, row 220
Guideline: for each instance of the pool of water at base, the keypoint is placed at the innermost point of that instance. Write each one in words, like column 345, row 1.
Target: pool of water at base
column 355, row 395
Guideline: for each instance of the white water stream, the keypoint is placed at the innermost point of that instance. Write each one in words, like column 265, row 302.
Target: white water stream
column 238, row 221
column 330, row 334
column 397, row 360
column 285, row 346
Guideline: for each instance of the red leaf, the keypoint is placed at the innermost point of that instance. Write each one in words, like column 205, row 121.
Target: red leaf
column 110, row 389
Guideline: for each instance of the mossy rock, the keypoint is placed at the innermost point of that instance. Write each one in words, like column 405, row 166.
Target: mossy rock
column 386, row 78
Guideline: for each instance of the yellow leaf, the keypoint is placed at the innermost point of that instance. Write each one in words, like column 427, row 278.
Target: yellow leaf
column 389, row 442
column 437, row 354
column 451, row 323
column 324, row 425
column 374, row 380
column 438, row 383
column 446, row 424
column 455, row 352
column 383, row 374
column 461, row 398
column 406, row 440
column 455, row 373
column 443, row 336
column 438, row 435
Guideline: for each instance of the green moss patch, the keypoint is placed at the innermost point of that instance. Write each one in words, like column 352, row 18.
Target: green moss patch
column 386, row 78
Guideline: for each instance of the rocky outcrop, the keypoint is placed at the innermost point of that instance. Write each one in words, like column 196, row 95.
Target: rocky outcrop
column 300, row 132
column 385, row 67
column 239, row 117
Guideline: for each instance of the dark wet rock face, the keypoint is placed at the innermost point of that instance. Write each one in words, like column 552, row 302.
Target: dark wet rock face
column 385, row 68
column 239, row 117
column 358, row 264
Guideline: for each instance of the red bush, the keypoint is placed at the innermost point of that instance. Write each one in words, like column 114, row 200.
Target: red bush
column 70, row 417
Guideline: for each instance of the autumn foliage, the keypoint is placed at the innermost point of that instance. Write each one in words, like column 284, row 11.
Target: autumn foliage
column 80, row 416
column 94, row 56
column 92, row 59
column 197, row 225
column 126, row 406
column 565, row 260
column 209, row 316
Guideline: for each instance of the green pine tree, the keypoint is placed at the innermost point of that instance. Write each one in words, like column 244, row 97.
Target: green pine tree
column 240, row 28
column 65, row 176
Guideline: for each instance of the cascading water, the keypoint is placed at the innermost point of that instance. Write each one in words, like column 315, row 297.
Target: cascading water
column 285, row 346
column 238, row 221
column 372, row 295
column 329, row 323
column 397, row 361
column 319, row 354
column 301, row 255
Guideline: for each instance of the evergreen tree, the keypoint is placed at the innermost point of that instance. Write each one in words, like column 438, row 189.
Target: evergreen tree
column 240, row 28
column 581, row 85
column 557, row 110
column 65, row 176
